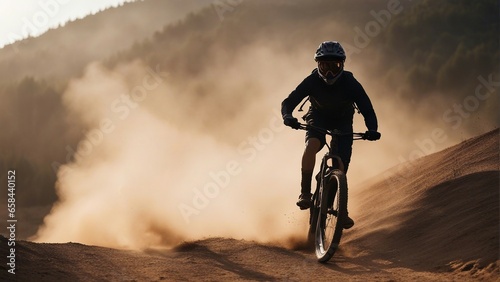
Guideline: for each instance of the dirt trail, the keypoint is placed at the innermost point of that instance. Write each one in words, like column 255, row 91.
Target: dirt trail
column 215, row 259
column 435, row 219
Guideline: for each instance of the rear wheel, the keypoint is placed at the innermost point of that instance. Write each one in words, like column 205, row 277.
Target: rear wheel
column 331, row 214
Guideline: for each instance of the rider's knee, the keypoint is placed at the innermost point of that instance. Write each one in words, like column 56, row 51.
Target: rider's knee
column 313, row 145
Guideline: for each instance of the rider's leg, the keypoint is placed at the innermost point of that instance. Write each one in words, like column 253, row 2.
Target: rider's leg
column 313, row 145
column 345, row 151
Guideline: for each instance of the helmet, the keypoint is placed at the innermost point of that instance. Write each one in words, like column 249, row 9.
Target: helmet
column 330, row 57
column 330, row 50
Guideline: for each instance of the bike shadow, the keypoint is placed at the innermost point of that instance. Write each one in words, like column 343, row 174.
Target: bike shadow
column 346, row 262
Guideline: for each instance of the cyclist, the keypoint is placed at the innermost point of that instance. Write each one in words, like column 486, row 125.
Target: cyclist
column 334, row 94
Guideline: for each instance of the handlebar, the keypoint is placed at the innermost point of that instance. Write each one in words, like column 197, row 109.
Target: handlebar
column 334, row 132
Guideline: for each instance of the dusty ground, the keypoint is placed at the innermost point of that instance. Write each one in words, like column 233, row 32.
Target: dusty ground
column 436, row 219
column 220, row 259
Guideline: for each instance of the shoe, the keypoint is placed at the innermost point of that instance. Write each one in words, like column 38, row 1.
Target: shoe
column 304, row 201
column 348, row 222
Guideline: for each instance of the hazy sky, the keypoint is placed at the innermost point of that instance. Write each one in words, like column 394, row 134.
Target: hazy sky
column 18, row 19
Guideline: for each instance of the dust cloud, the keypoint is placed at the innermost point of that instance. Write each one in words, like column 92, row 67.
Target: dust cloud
column 150, row 173
column 416, row 127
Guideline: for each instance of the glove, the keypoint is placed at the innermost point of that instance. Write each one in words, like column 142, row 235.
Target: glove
column 372, row 135
column 289, row 120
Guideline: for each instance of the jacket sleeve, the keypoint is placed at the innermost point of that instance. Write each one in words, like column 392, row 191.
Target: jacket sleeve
column 365, row 106
column 294, row 99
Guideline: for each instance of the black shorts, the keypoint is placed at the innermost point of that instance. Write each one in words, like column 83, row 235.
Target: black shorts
column 343, row 125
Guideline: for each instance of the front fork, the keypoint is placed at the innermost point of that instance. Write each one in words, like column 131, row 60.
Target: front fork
column 323, row 183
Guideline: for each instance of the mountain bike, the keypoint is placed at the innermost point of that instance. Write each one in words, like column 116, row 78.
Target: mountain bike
column 329, row 208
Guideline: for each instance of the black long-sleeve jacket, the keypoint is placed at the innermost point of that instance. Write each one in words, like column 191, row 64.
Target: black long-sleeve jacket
column 333, row 102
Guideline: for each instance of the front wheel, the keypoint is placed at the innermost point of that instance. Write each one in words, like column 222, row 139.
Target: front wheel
column 332, row 212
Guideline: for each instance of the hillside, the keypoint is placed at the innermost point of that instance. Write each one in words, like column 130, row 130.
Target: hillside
column 437, row 221
column 443, row 208
column 62, row 53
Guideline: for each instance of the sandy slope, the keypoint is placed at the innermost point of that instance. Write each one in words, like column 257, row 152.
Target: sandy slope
column 439, row 212
column 435, row 219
